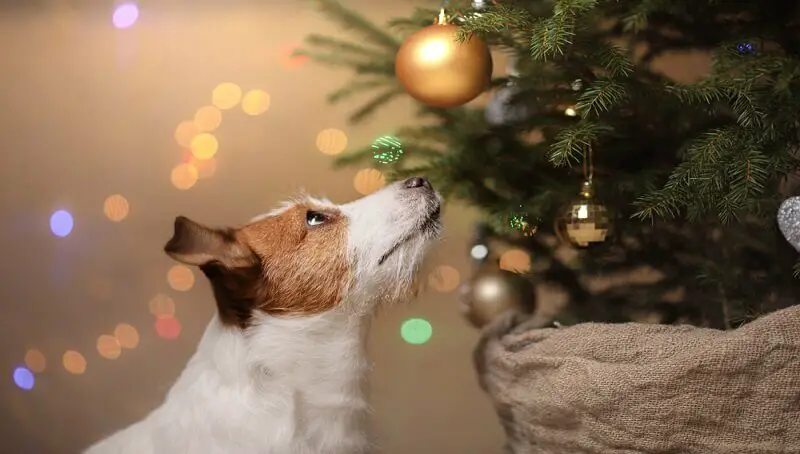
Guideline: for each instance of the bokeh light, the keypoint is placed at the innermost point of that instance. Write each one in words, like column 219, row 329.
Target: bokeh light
column 331, row 141
column 226, row 95
column 291, row 61
column 74, row 362
column 35, row 360
column 125, row 15
column 416, row 331
column 108, row 346
column 204, row 146
column 207, row 119
column 127, row 336
column 116, row 208
column 23, row 378
column 61, row 223
column 444, row 278
column 185, row 132
column 168, row 327
column 479, row 251
column 255, row 102
column 180, row 278
column 515, row 260
column 206, row 168
column 368, row 181
column 184, row 176
column 161, row 306
column 387, row 150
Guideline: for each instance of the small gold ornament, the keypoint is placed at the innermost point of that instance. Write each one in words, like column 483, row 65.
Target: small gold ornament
column 585, row 221
column 493, row 291
column 440, row 72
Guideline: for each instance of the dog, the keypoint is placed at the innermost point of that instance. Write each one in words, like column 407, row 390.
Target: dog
column 282, row 366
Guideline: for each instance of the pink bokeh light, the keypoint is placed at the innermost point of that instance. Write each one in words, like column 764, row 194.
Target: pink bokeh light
column 125, row 15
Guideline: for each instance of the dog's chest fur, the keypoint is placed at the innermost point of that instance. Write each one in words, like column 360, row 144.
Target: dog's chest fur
column 302, row 392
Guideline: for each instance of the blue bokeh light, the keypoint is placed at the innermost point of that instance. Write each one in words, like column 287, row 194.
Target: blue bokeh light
column 61, row 223
column 24, row 378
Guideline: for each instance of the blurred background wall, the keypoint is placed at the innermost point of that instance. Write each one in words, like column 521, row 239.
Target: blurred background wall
column 95, row 127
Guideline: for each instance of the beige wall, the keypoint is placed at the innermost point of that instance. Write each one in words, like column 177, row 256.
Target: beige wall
column 87, row 112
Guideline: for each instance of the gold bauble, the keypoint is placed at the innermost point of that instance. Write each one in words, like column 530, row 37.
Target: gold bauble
column 585, row 221
column 492, row 292
column 440, row 72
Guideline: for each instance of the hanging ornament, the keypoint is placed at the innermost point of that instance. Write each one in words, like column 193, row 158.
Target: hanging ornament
column 521, row 222
column 576, row 85
column 501, row 110
column 440, row 72
column 387, row 150
column 492, row 291
column 789, row 221
column 585, row 221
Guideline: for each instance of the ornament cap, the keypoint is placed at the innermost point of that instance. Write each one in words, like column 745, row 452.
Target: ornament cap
column 442, row 19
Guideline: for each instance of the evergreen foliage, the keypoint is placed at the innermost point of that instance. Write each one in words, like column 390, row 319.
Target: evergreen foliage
column 693, row 174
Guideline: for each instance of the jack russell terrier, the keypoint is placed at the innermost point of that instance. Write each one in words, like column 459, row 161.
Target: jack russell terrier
column 282, row 367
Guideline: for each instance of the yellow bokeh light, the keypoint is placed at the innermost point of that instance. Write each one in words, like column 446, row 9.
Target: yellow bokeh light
column 207, row 119
column 206, row 168
column 161, row 306
column 368, row 181
column 255, row 102
column 515, row 260
column 331, row 141
column 226, row 95
column 184, row 176
column 184, row 133
column 108, row 346
column 116, row 207
column 126, row 335
column 180, row 278
column 204, row 146
column 444, row 279
column 74, row 362
column 35, row 360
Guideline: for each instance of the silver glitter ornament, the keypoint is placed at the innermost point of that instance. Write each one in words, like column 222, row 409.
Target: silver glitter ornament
column 789, row 221
column 500, row 111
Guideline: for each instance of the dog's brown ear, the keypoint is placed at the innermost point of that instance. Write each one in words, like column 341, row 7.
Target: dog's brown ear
column 196, row 244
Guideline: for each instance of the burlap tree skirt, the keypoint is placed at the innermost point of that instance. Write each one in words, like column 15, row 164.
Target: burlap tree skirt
column 638, row 388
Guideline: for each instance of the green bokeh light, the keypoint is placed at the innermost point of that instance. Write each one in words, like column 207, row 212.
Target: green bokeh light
column 387, row 149
column 416, row 331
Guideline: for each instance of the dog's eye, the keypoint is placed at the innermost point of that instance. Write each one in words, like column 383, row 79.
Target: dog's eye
column 315, row 218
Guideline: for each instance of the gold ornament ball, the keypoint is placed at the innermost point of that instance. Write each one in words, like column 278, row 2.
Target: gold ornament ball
column 491, row 293
column 440, row 72
column 585, row 221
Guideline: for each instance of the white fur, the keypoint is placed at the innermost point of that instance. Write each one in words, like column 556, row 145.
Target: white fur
column 292, row 385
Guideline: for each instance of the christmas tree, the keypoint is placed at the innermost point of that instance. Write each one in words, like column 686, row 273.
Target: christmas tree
column 691, row 176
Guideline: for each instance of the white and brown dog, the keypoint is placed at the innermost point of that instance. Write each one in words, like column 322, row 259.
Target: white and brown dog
column 281, row 368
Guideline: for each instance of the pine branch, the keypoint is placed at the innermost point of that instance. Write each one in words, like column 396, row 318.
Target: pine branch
column 352, row 21
column 551, row 37
column 572, row 141
column 367, row 109
column 357, row 86
column 340, row 46
column 599, row 97
column 372, row 67
column 494, row 20
column 614, row 60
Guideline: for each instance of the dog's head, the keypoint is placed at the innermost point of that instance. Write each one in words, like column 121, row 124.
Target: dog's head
column 311, row 256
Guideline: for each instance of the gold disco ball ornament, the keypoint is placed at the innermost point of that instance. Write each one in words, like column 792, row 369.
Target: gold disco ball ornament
column 492, row 292
column 435, row 69
column 585, row 221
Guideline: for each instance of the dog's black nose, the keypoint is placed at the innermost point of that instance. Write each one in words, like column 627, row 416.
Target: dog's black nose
column 418, row 182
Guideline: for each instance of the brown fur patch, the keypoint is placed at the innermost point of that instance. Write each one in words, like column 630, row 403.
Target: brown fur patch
column 278, row 265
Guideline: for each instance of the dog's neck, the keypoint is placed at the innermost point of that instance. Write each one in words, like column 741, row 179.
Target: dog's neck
column 303, row 379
